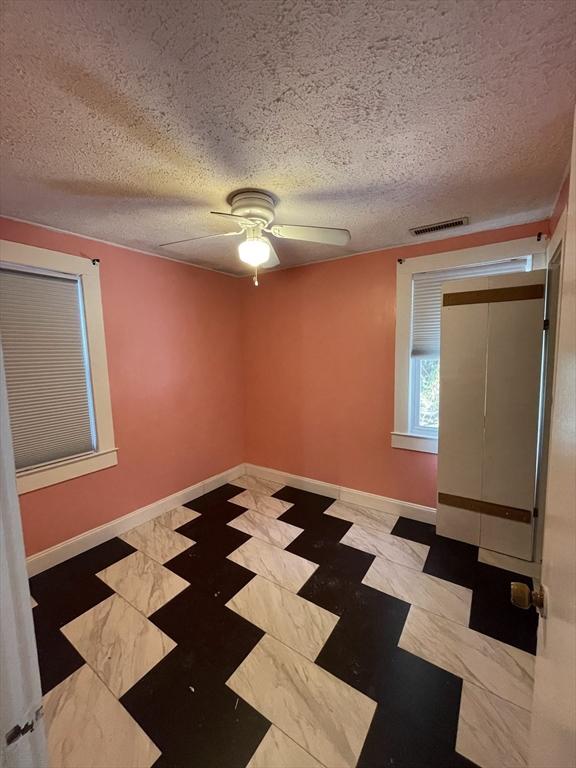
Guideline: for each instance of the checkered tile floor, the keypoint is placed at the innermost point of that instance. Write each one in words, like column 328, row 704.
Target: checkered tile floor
column 270, row 627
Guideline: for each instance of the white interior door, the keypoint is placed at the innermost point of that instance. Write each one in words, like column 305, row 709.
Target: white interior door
column 20, row 693
column 553, row 731
column 490, row 375
column 513, row 376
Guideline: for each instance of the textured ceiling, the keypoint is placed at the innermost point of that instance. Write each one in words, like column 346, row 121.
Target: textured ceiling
column 128, row 120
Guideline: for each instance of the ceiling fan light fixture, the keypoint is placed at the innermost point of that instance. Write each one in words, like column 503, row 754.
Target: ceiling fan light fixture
column 254, row 251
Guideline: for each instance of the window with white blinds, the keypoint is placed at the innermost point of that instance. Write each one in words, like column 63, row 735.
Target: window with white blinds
column 427, row 299
column 47, row 366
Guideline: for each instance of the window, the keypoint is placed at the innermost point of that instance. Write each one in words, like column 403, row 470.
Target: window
column 419, row 301
column 47, row 367
column 55, row 363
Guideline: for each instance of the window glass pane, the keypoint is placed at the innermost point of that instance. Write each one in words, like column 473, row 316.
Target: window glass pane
column 429, row 393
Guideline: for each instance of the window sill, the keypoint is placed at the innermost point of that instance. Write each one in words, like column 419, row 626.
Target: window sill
column 410, row 442
column 40, row 477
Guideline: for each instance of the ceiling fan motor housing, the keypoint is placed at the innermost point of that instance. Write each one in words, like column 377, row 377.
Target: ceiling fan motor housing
column 253, row 205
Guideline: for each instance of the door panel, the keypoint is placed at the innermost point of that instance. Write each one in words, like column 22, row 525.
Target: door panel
column 515, row 330
column 462, row 354
column 506, row 536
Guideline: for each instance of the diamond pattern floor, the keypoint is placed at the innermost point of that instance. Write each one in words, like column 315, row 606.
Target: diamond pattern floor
column 265, row 626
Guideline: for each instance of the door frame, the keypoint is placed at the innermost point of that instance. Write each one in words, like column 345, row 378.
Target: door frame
column 21, row 699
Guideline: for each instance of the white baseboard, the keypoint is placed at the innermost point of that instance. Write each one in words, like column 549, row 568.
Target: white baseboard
column 71, row 547
column 67, row 549
column 340, row 492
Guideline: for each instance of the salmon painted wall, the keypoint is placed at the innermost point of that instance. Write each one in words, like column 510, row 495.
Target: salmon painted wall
column 319, row 370
column 174, row 356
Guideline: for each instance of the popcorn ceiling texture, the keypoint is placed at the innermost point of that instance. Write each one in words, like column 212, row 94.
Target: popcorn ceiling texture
column 130, row 120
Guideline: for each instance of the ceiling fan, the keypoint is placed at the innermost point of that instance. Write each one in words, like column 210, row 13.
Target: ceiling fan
column 252, row 211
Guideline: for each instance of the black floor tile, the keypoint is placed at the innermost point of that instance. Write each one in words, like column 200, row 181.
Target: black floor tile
column 416, row 722
column 333, row 585
column 360, row 648
column 212, row 633
column 216, row 543
column 212, row 521
column 192, row 716
column 46, row 586
column 453, row 561
column 423, row 533
column 57, row 657
column 317, row 542
column 312, row 520
column 210, row 573
column 349, row 562
column 328, row 590
column 213, row 498
column 493, row 614
column 71, row 599
column 306, row 500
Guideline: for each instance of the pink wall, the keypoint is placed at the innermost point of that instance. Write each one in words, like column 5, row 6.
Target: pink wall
column 319, row 370
column 174, row 356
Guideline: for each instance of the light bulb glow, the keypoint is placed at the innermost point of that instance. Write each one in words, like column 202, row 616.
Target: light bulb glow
column 254, row 251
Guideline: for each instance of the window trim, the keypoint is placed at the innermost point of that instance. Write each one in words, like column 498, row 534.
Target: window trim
column 106, row 453
column 402, row 436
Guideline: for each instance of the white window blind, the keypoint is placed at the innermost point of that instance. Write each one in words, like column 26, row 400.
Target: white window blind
column 47, row 371
column 427, row 299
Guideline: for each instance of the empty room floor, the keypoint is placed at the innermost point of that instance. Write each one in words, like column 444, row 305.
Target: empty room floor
column 265, row 626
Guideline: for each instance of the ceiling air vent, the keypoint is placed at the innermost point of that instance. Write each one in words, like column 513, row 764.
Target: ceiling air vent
column 428, row 229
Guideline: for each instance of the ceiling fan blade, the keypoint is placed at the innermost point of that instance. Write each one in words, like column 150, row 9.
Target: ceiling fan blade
column 273, row 260
column 232, row 216
column 203, row 237
column 327, row 235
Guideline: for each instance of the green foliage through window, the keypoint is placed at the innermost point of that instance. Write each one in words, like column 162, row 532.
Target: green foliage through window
column 429, row 395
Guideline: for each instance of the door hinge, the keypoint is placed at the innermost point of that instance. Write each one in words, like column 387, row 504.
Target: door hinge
column 16, row 733
column 535, row 511
column 546, row 324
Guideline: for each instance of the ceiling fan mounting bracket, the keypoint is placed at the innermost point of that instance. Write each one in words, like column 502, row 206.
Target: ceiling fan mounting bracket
column 253, row 204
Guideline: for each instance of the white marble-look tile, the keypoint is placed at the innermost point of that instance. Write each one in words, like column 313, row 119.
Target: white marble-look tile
column 276, row 750
column 266, row 505
column 502, row 669
column 178, row 516
column 265, row 528
column 118, row 642
column 86, row 727
column 294, row 621
column 325, row 716
column 258, row 484
column 429, row 592
column 157, row 541
column 143, row 582
column 365, row 517
column 492, row 732
column 402, row 551
column 284, row 568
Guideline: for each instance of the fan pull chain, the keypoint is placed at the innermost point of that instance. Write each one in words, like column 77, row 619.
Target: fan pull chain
column 255, row 278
